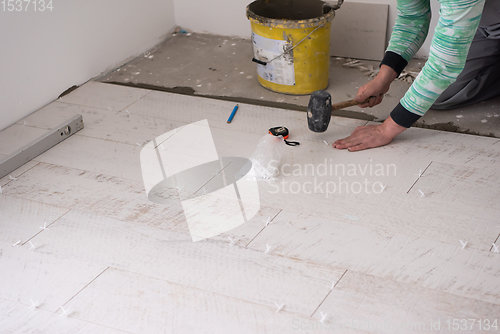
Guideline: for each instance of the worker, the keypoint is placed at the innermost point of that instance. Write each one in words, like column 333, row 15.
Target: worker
column 451, row 77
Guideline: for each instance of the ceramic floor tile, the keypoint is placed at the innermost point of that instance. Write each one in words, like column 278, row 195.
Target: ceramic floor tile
column 106, row 97
column 51, row 281
column 22, row 219
column 19, row 318
column 377, row 305
column 57, row 113
column 141, row 304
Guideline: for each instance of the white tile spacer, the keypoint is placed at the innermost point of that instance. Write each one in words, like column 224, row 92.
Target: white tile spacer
column 138, row 144
column 32, row 245
column 326, row 143
column 1, row 191
column 323, row 317
column 495, row 248
column 12, row 178
column 65, row 312
column 268, row 221
column 109, row 108
column 44, row 227
column 17, row 243
column 163, row 148
column 268, row 248
column 463, row 244
column 333, row 285
column 419, row 173
column 34, row 304
column 280, row 307
column 422, row 194
column 232, row 241
column 128, row 112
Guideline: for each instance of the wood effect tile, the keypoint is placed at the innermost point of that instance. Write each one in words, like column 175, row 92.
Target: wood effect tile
column 213, row 266
column 58, row 112
column 139, row 303
column 50, row 280
column 428, row 263
column 21, row 219
column 103, row 96
column 380, row 305
column 19, row 318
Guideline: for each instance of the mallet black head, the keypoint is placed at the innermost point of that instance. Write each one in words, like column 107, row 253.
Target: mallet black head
column 319, row 111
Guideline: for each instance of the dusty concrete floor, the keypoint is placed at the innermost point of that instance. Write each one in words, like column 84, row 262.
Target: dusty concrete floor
column 221, row 67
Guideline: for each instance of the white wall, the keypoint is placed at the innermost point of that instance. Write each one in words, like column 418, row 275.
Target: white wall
column 221, row 17
column 424, row 50
column 44, row 53
column 227, row 17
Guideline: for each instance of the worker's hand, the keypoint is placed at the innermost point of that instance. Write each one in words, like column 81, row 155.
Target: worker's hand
column 370, row 136
column 376, row 88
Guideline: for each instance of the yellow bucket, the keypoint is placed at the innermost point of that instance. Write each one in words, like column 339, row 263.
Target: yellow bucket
column 291, row 44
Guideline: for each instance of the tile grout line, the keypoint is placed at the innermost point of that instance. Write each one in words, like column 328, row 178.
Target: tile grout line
column 262, row 229
column 37, row 162
column 494, row 242
column 81, row 105
column 187, row 285
column 107, row 140
column 76, row 294
column 64, row 214
column 140, row 97
column 212, row 178
column 414, row 183
column 345, row 272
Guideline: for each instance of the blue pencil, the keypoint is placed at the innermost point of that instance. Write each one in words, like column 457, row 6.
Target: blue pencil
column 232, row 114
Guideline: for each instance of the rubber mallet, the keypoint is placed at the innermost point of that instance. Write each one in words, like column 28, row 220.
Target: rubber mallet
column 319, row 110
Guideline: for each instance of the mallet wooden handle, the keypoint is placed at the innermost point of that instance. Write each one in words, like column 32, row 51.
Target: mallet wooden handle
column 346, row 104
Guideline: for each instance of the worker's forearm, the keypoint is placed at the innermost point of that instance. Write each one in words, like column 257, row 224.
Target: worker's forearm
column 391, row 129
column 386, row 75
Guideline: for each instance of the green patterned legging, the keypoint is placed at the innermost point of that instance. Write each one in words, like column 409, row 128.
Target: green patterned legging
column 453, row 35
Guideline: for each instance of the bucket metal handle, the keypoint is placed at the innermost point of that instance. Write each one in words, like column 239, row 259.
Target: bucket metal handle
column 264, row 63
